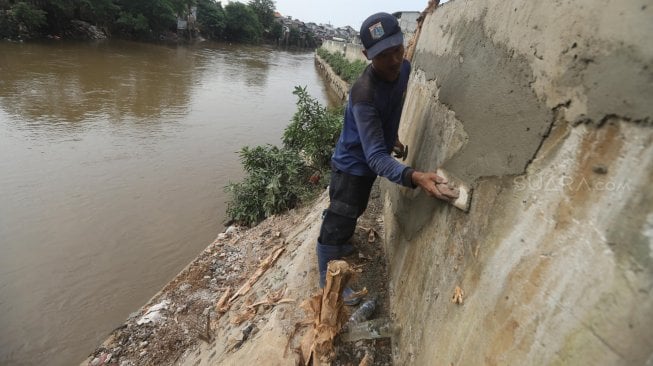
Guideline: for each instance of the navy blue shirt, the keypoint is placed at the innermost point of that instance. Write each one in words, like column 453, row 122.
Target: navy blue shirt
column 369, row 132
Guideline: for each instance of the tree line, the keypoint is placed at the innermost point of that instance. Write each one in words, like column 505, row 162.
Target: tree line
column 252, row 22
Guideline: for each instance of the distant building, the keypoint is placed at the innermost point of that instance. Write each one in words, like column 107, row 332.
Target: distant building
column 407, row 23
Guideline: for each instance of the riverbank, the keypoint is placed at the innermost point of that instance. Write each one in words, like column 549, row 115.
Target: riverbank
column 192, row 321
column 198, row 320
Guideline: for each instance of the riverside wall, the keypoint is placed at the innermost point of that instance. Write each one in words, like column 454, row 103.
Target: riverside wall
column 337, row 85
column 353, row 52
column 545, row 109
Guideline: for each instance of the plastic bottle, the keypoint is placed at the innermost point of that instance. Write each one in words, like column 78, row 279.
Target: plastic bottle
column 363, row 313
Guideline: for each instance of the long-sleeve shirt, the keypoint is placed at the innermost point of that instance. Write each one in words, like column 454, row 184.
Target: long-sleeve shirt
column 370, row 128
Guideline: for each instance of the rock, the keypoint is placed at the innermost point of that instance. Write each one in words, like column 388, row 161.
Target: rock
column 84, row 30
column 95, row 362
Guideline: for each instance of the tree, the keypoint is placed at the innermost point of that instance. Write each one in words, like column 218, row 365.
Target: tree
column 276, row 31
column 27, row 16
column 241, row 24
column 264, row 10
column 100, row 12
column 211, row 18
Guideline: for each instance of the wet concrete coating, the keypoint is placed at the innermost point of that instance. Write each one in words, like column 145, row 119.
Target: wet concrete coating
column 488, row 87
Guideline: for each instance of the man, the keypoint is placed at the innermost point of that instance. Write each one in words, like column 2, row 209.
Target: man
column 369, row 135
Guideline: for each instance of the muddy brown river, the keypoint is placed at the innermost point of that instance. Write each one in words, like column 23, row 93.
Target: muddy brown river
column 113, row 159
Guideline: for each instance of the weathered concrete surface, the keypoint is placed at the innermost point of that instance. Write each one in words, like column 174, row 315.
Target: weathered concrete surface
column 545, row 108
column 352, row 52
column 337, row 85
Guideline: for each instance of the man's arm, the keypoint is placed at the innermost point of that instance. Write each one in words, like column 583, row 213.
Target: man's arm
column 377, row 156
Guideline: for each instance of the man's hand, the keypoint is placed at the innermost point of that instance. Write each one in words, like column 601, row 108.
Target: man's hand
column 434, row 185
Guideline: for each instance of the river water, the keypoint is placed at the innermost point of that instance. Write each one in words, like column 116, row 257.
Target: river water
column 114, row 156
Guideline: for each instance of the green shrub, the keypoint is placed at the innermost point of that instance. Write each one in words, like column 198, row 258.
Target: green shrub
column 276, row 181
column 348, row 71
column 22, row 19
column 313, row 132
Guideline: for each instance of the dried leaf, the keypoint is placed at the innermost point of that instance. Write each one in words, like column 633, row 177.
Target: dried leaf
column 368, row 360
column 222, row 306
column 458, row 295
column 247, row 314
column 263, row 266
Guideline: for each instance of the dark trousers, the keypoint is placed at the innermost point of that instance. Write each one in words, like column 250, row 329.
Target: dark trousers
column 349, row 195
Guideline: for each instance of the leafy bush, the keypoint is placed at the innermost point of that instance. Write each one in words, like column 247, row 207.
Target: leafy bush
column 22, row 19
column 313, row 132
column 348, row 71
column 280, row 178
column 276, row 181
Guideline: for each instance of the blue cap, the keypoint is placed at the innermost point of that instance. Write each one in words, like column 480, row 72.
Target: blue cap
column 380, row 32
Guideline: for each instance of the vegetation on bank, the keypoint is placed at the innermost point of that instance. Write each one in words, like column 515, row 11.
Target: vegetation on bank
column 279, row 178
column 348, row 71
column 145, row 19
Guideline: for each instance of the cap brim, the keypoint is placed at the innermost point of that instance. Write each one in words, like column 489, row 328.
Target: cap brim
column 392, row 41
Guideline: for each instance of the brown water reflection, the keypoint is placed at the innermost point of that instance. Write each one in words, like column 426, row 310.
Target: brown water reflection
column 114, row 156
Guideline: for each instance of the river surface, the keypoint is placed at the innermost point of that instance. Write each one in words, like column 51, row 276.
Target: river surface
column 113, row 159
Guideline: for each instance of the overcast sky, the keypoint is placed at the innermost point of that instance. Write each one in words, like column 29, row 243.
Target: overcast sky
column 342, row 12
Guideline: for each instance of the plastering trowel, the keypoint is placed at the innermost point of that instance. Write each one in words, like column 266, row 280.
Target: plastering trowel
column 464, row 192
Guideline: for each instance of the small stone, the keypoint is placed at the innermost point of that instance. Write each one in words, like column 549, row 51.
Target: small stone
column 95, row 362
column 143, row 344
column 600, row 169
column 142, row 353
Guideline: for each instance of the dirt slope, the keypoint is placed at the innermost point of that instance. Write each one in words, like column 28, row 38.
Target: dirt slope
column 172, row 328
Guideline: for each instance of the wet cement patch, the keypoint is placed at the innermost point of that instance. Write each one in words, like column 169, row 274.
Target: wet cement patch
column 488, row 87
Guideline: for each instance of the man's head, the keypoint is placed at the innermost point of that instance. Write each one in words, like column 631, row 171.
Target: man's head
column 383, row 42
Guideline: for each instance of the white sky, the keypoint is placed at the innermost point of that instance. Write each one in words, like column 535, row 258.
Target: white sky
column 342, row 12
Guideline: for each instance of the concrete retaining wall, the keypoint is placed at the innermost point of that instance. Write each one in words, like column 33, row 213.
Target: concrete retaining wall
column 337, row 85
column 545, row 109
column 352, row 52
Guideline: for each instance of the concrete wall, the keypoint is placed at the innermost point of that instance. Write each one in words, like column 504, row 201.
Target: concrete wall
column 545, row 108
column 408, row 23
column 351, row 51
column 336, row 84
